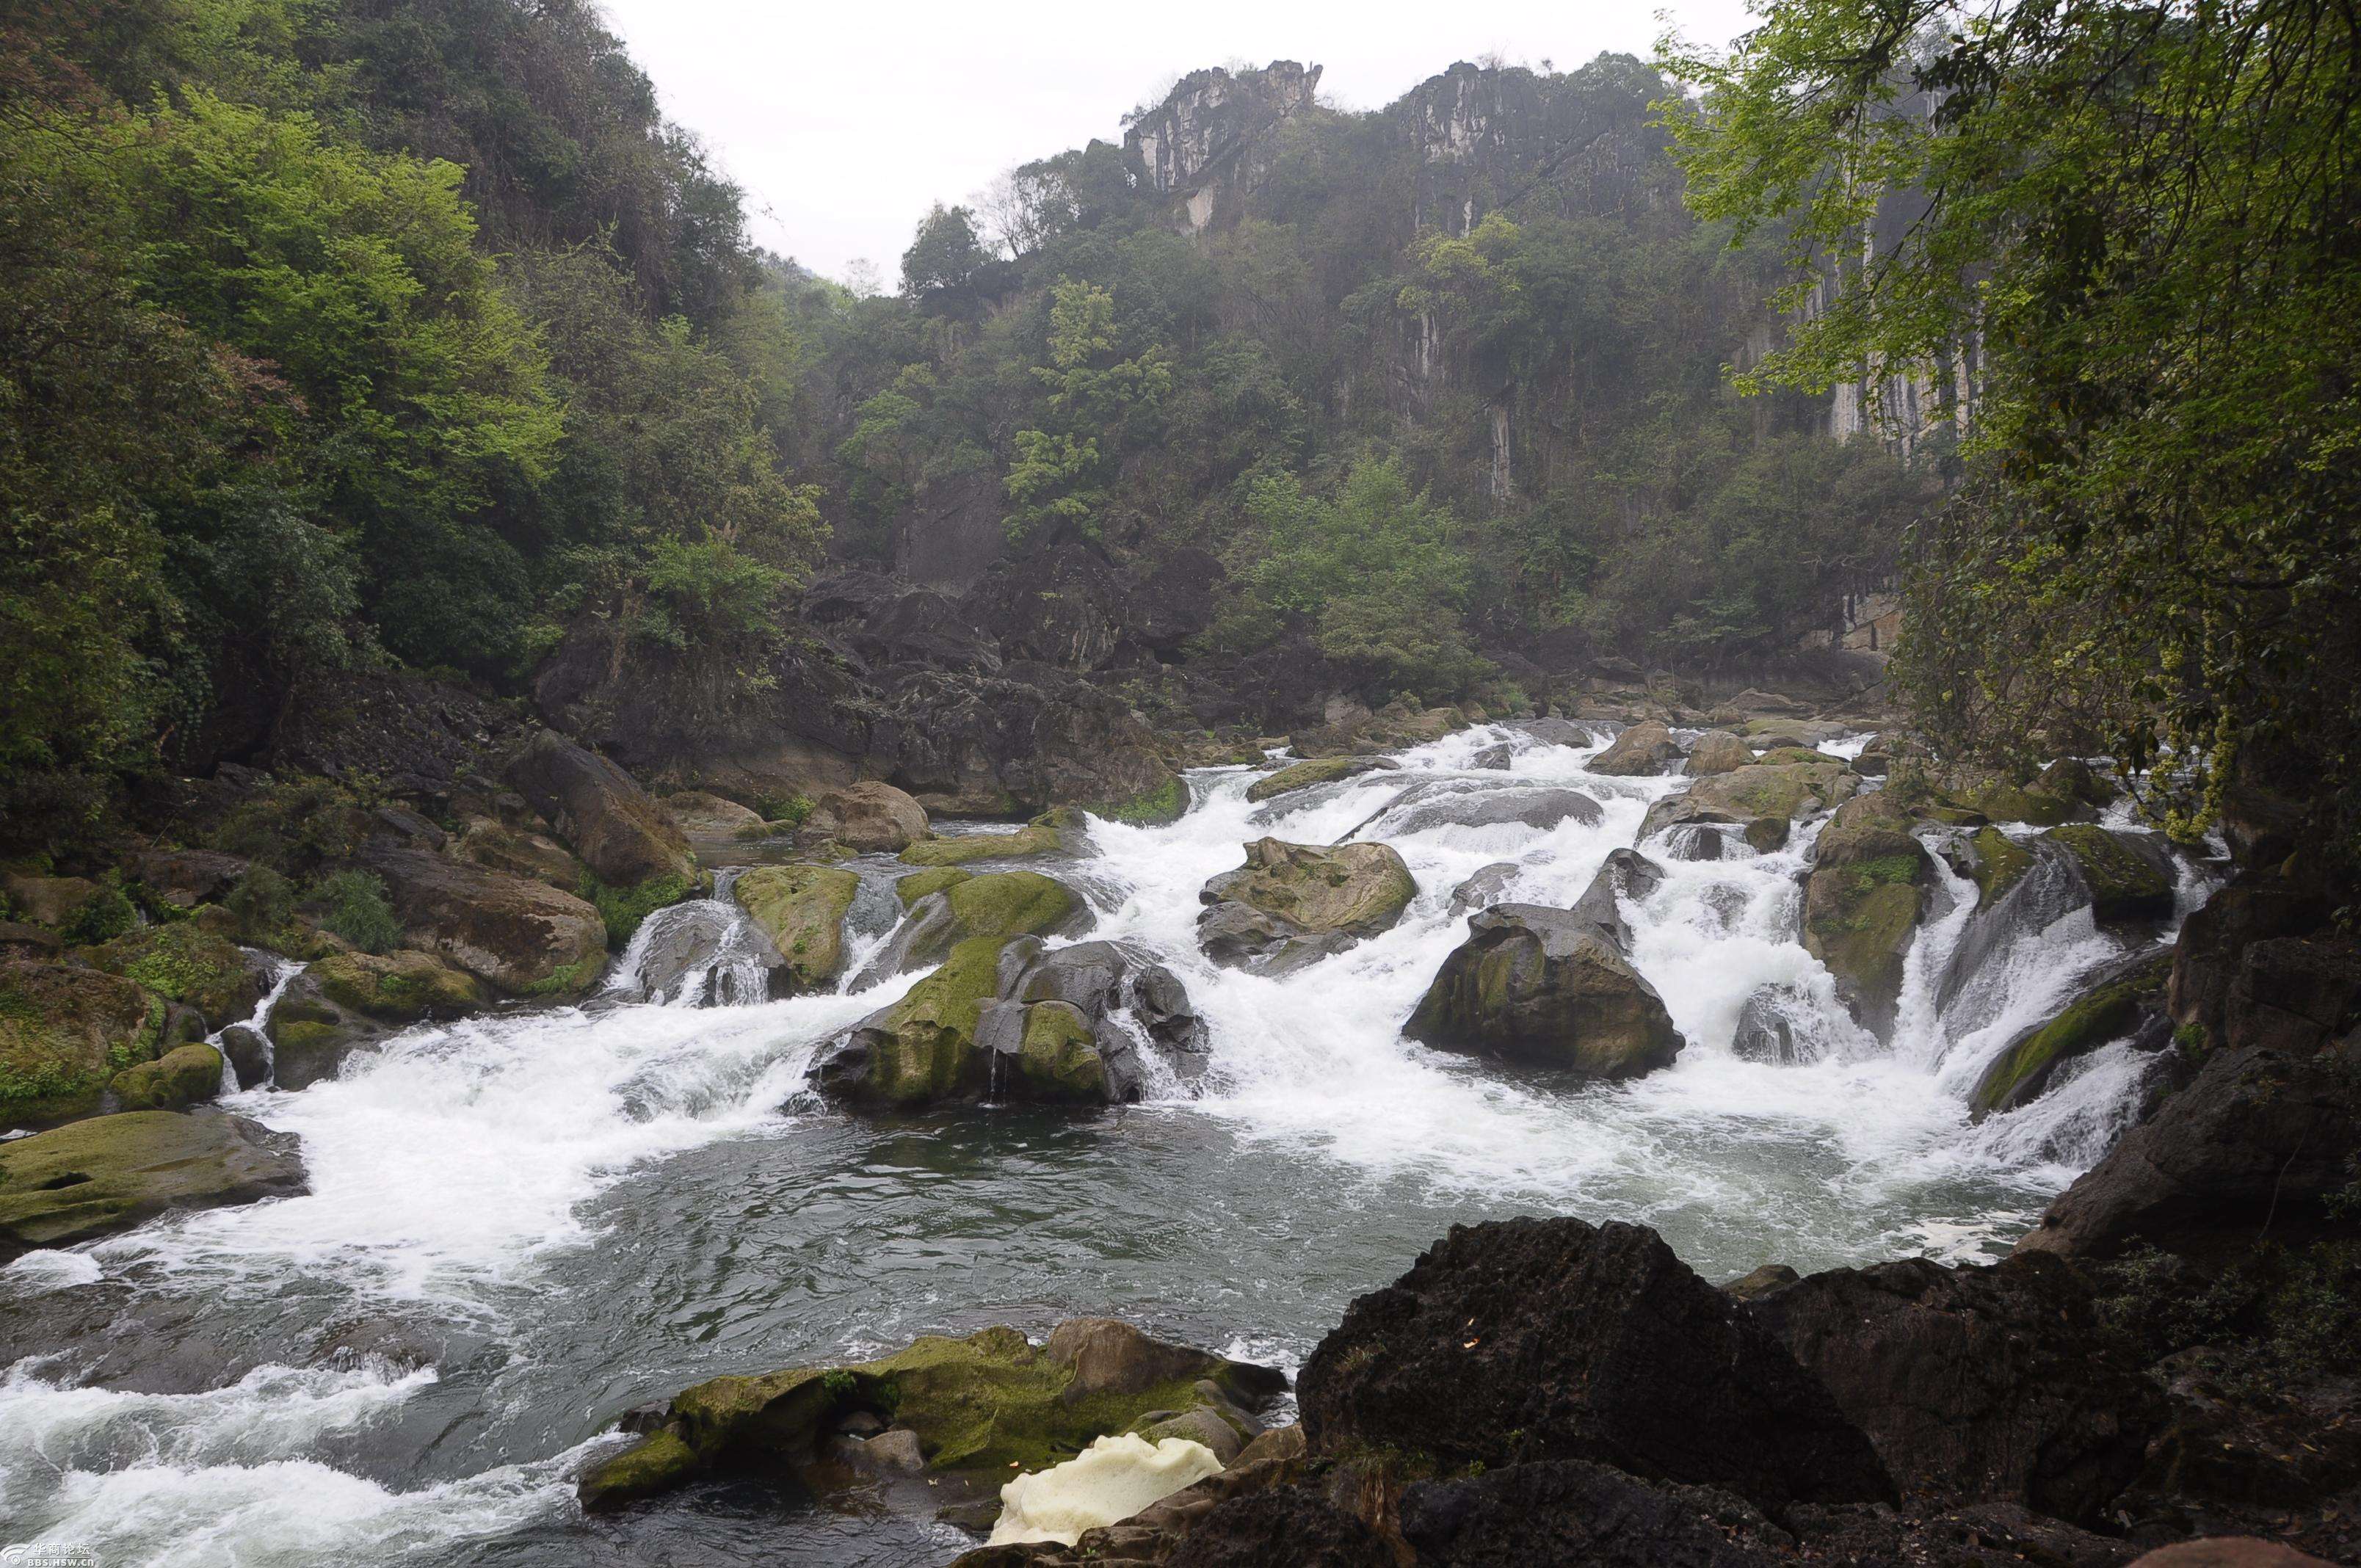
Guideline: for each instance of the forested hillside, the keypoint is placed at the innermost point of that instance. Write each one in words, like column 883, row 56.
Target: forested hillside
column 344, row 334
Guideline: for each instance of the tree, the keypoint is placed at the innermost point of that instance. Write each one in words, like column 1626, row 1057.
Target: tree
column 1096, row 402
column 2140, row 217
column 941, row 268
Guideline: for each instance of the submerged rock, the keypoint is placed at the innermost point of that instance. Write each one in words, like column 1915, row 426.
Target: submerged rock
column 1535, row 984
column 800, row 910
column 1318, row 770
column 65, row 1031
column 109, row 1173
column 1535, row 1340
column 980, row 1407
column 1423, row 808
column 1772, row 1027
column 1292, row 903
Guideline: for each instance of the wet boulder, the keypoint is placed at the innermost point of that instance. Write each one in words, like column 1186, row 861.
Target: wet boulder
column 1526, row 1341
column 1778, row 1026
column 1494, row 758
column 616, row 827
column 2260, row 1140
column 1719, row 751
column 1862, row 903
column 1487, row 886
column 1000, row 905
column 800, row 911
column 870, row 818
column 1974, row 796
column 1303, row 775
column 979, row 1408
column 1643, row 750
column 1101, row 983
column 1976, row 1384
column 526, row 937
column 2125, row 1000
column 348, row 1002
column 2128, row 876
column 107, row 1174
column 922, row 1048
column 1762, row 800
column 184, row 1076
column 699, row 815
column 1292, row 903
column 2027, row 885
column 187, row 963
column 1625, row 873
column 1061, row 831
column 1568, row 1511
column 1442, row 804
column 65, row 1031
column 1533, row 984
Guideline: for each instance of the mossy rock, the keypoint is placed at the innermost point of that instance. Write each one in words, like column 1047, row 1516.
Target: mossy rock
column 1357, row 888
column 1168, row 802
column 1763, row 799
column 187, row 962
column 1057, row 831
column 173, row 1081
column 108, row 1173
column 2070, row 778
column 1060, row 1059
column 1974, row 798
column 1795, row 756
column 398, row 987
column 801, row 909
column 918, row 884
column 922, row 1048
column 65, row 1031
column 985, row 1408
column 1318, row 770
column 1862, row 903
column 2124, row 885
column 2106, row 1013
column 2001, row 864
column 1010, row 903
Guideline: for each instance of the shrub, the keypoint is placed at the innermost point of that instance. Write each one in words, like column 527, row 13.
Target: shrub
column 105, row 917
column 356, row 909
column 263, row 901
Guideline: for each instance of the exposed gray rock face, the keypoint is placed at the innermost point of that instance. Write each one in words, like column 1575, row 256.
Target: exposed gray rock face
column 1485, row 888
column 1627, row 873
column 1444, row 804
column 1204, row 138
column 1533, row 984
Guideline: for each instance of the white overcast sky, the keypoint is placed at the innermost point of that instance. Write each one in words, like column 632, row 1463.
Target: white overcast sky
column 844, row 121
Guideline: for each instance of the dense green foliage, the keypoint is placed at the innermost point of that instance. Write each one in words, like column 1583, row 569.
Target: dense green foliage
column 2140, row 218
column 339, row 330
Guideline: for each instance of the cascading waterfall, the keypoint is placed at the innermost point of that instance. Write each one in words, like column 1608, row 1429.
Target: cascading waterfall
column 282, row 975
column 525, row 1223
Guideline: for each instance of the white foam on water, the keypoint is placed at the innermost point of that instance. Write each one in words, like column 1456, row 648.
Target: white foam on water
column 42, row 1270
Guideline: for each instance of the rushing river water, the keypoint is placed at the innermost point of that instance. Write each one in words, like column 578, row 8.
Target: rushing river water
column 522, row 1225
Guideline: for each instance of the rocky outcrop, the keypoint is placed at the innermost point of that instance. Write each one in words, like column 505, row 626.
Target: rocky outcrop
column 1625, row 873
column 52, row 901
column 870, row 818
column 1003, row 1020
column 65, row 1031
column 1976, row 1384
column 185, row 878
column 999, row 906
column 1536, row 1340
column 1642, row 751
column 185, row 962
column 1291, row 904
column 348, row 1002
column 1862, row 903
column 801, row 911
column 1058, row 831
column 518, row 851
column 979, row 1408
column 2254, row 1146
column 616, row 828
column 1535, row 985
column 183, row 1077
column 526, row 937
column 700, row 815
column 109, row 1173
column 1205, row 138
column 2215, row 940
column 1762, row 800
column 1317, row 770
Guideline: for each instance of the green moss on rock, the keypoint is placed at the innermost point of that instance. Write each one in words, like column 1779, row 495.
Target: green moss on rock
column 108, row 1173
column 177, row 1079
column 801, row 909
column 65, row 1031
column 924, row 1047
column 2001, row 863
column 1057, row 831
column 1153, row 807
column 1010, row 903
column 918, row 884
column 1060, row 1058
column 399, row 987
column 2124, row 885
column 1318, row 770
column 2107, row 1012
column 186, row 962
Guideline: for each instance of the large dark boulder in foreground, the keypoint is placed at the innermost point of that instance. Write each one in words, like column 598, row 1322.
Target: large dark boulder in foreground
column 1569, row 1511
column 1529, row 1340
column 2256, row 1145
column 1976, row 1384
column 109, row 1173
column 1540, row 985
